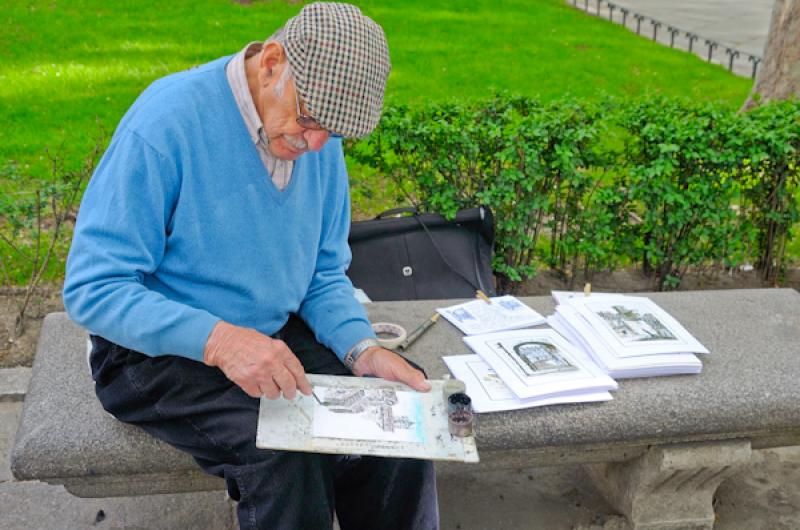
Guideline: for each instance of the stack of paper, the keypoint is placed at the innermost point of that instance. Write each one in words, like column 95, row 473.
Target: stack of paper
column 489, row 393
column 478, row 316
column 520, row 368
column 527, row 368
column 627, row 336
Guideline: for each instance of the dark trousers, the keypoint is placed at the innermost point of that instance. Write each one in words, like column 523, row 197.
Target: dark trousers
column 197, row 409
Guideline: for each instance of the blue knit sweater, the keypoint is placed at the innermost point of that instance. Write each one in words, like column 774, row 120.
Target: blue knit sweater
column 181, row 226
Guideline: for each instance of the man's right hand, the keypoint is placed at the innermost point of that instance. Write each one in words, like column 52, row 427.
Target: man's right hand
column 260, row 365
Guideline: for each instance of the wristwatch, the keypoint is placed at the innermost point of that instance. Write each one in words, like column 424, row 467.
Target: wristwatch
column 356, row 351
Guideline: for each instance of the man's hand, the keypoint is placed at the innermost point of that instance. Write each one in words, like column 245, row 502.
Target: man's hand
column 259, row 364
column 388, row 365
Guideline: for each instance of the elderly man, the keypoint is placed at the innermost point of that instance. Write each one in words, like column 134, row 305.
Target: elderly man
column 209, row 259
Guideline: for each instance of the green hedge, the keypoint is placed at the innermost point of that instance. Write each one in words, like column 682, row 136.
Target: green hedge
column 580, row 187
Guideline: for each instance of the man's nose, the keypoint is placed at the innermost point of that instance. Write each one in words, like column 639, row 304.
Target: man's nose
column 315, row 139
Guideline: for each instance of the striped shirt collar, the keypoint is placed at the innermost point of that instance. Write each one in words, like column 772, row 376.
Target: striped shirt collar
column 237, row 78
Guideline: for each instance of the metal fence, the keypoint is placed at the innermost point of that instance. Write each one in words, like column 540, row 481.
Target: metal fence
column 649, row 27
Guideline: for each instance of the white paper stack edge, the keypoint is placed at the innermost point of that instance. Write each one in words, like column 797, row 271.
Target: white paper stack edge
column 534, row 366
column 490, row 394
column 577, row 319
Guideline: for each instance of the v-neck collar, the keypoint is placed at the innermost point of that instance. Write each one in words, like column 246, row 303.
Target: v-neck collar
column 279, row 196
column 278, row 170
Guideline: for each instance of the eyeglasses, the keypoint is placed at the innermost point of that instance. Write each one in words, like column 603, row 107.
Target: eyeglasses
column 304, row 120
column 307, row 122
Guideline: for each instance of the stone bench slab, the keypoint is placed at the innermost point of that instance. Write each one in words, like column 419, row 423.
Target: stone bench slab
column 14, row 383
column 747, row 390
column 748, row 386
column 65, row 433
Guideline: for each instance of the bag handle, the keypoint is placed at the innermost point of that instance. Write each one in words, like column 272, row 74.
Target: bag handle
column 414, row 212
column 450, row 265
column 397, row 211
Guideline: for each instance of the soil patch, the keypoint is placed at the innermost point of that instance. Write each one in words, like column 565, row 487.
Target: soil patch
column 20, row 351
column 633, row 281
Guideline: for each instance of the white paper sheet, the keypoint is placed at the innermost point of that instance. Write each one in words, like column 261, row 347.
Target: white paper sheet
column 539, row 363
column 490, row 394
column 561, row 296
column 568, row 322
column 361, row 296
column 633, row 326
column 505, row 312
column 368, row 414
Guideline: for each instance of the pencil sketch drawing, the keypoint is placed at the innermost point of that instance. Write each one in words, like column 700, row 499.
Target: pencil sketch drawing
column 511, row 304
column 632, row 325
column 462, row 315
column 374, row 405
column 491, row 383
column 534, row 357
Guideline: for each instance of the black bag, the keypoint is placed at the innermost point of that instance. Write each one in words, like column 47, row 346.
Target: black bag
column 423, row 256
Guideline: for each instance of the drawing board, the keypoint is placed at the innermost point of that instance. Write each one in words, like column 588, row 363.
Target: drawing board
column 365, row 416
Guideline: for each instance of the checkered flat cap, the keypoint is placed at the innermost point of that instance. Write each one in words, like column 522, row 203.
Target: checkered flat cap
column 340, row 61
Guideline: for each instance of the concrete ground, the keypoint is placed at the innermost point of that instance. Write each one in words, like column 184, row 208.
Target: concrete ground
column 765, row 496
column 739, row 24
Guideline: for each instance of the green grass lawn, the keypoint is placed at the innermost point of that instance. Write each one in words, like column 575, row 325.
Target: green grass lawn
column 70, row 68
column 66, row 66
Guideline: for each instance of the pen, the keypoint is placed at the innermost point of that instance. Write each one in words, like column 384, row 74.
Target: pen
column 418, row 332
column 480, row 294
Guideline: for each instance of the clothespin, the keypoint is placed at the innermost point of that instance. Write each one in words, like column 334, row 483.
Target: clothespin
column 480, row 294
column 587, row 289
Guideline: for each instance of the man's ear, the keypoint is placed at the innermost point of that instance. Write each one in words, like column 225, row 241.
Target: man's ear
column 272, row 55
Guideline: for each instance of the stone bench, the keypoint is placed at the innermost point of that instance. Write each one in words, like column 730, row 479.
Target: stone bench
column 657, row 452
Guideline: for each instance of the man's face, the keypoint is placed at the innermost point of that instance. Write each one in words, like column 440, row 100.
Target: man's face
column 287, row 139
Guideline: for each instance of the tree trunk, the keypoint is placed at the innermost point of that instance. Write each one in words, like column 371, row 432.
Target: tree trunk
column 779, row 76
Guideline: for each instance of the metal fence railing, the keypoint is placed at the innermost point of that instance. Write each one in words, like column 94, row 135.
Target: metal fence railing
column 737, row 61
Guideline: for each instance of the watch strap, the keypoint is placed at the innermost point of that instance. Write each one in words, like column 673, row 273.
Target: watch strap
column 355, row 352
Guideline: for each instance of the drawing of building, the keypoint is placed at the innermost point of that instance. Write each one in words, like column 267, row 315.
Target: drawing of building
column 388, row 422
column 541, row 357
column 374, row 404
column 356, row 400
column 631, row 325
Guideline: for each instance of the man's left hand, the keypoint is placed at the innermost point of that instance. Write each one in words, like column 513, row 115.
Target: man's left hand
column 386, row 364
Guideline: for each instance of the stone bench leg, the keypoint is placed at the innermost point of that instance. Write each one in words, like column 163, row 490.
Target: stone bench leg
column 670, row 487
